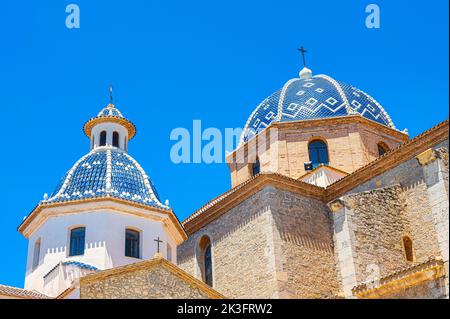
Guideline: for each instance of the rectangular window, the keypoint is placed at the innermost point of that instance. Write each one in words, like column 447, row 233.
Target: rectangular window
column 77, row 236
column 36, row 253
column 169, row 252
column 132, row 243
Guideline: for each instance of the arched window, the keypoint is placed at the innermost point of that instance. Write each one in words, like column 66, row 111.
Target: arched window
column 256, row 167
column 204, row 258
column 103, row 138
column 115, row 141
column 132, row 243
column 36, row 253
column 318, row 153
column 77, row 237
column 409, row 250
column 382, row 148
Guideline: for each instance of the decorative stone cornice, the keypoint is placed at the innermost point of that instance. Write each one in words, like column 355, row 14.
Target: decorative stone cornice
column 33, row 220
column 426, row 157
column 391, row 159
column 336, row 205
column 302, row 124
column 429, row 270
column 157, row 261
column 223, row 203
column 110, row 119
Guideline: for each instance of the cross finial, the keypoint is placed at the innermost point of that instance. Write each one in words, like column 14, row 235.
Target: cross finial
column 111, row 94
column 303, row 51
column 158, row 241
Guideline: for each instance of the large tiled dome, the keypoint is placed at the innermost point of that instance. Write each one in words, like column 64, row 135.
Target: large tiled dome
column 106, row 172
column 313, row 97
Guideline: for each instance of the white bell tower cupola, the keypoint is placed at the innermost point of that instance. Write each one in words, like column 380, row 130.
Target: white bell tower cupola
column 109, row 128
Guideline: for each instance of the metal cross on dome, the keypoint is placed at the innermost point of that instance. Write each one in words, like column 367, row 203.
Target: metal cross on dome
column 303, row 51
column 110, row 93
column 158, row 241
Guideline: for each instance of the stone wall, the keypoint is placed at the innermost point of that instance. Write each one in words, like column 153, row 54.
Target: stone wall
column 275, row 244
column 303, row 246
column 242, row 250
column 155, row 283
column 434, row 289
column 378, row 225
column 408, row 200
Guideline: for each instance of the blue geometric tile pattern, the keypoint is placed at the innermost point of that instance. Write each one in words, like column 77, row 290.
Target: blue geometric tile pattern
column 109, row 111
column 106, row 171
column 80, row 265
column 312, row 98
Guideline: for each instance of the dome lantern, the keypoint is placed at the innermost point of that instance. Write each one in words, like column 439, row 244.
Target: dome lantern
column 109, row 128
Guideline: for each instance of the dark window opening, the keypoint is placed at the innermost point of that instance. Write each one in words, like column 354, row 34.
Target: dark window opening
column 115, row 141
column 208, row 266
column 382, row 149
column 103, row 138
column 318, row 153
column 256, row 167
column 132, row 243
column 77, row 237
column 408, row 246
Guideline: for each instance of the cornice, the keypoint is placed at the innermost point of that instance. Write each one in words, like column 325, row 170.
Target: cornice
column 338, row 120
column 110, row 119
column 223, row 203
column 389, row 160
column 431, row 269
column 27, row 226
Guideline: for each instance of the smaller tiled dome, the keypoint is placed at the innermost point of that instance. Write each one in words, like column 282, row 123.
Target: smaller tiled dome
column 106, row 172
column 113, row 115
column 110, row 110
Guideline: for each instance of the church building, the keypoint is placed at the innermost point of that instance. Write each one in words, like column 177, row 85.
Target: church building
column 328, row 199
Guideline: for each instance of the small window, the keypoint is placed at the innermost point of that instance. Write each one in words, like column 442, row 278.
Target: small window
column 103, row 138
column 256, row 167
column 36, row 253
column 382, row 148
column 318, row 153
column 77, row 237
column 169, row 252
column 115, row 139
column 208, row 266
column 125, row 145
column 204, row 259
column 132, row 243
column 409, row 250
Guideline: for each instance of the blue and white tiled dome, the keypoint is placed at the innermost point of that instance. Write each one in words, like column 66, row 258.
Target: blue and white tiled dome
column 313, row 97
column 106, row 172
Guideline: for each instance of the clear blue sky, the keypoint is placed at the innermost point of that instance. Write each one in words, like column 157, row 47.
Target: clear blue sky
column 173, row 62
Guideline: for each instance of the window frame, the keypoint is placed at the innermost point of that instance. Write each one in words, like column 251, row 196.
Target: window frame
column 383, row 147
column 116, row 139
column 408, row 251
column 81, row 250
column 102, row 138
column 132, row 249
column 319, row 161
column 36, row 254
